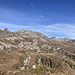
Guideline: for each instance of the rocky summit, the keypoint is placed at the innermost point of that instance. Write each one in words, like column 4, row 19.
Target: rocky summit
column 26, row 52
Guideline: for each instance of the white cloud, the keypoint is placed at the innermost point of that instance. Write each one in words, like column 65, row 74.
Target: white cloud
column 58, row 30
column 67, row 30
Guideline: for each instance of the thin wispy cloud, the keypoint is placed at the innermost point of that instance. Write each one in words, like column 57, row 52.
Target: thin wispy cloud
column 32, row 5
column 58, row 30
column 14, row 27
column 67, row 30
column 15, row 17
column 41, row 16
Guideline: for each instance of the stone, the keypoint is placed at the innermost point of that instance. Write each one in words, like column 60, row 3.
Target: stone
column 22, row 68
column 33, row 66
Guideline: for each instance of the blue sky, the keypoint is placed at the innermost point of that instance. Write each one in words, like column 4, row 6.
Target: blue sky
column 50, row 17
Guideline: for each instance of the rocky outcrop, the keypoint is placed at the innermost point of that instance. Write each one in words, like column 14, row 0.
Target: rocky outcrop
column 48, row 61
column 71, row 55
column 27, row 60
column 6, row 29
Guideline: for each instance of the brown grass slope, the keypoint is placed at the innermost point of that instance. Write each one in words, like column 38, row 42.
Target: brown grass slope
column 23, row 49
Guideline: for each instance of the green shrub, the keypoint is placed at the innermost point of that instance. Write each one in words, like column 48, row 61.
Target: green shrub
column 40, row 70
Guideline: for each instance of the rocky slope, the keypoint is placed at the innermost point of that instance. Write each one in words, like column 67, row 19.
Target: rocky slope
column 26, row 52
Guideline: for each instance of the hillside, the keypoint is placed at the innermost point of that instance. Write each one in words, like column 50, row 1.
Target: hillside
column 26, row 52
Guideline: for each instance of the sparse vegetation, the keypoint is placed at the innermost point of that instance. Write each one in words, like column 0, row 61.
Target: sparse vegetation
column 44, row 54
column 2, row 73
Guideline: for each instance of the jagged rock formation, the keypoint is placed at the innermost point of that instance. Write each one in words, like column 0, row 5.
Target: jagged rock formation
column 25, row 50
column 6, row 29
